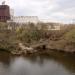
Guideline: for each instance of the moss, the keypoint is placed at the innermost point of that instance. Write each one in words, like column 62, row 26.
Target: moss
column 70, row 36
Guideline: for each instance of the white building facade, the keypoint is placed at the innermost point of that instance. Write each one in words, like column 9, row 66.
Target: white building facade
column 24, row 19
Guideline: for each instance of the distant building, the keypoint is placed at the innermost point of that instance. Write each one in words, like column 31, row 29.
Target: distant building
column 24, row 19
column 4, row 13
column 54, row 26
column 49, row 26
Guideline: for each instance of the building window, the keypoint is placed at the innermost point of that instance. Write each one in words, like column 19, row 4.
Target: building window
column 0, row 17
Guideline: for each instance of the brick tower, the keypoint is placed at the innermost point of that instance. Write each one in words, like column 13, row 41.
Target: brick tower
column 4, row 13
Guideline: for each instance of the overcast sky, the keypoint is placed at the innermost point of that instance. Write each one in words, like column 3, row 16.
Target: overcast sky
column 62, row 10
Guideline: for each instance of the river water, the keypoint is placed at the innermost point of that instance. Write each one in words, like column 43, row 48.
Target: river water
column 53, row 64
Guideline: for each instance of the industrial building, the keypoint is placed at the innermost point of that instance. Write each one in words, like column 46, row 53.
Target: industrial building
column 4, row 13
column 7, row 15
column 24, row 19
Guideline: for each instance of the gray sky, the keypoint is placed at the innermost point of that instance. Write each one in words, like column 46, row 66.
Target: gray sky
column 62, row 10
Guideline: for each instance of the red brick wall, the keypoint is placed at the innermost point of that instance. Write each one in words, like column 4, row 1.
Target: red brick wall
column 4, row 13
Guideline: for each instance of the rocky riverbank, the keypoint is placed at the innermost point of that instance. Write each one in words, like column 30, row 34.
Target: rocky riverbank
column 23, row 50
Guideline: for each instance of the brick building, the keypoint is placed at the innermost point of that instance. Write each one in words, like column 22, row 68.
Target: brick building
column 4, row 13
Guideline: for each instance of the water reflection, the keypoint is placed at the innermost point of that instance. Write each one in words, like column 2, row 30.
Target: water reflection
column 54, row 64
column 4, row 58
column 22, row 66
